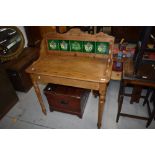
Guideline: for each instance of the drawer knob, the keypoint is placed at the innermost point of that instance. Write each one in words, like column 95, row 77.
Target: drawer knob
column 39, row 77
column 63, row 102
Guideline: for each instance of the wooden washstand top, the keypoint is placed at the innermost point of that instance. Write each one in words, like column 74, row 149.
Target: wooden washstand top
column 79, row 68
column 74, row 65
column 74, row 59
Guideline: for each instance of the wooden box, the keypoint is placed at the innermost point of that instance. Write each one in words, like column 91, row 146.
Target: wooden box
column 8, row 96
column 21, row 80
column 66, row 99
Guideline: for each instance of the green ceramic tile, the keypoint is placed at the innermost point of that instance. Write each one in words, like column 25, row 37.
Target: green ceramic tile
column 64, row 45
column 102, row 47
column 76, row 46
column 53, row 44
column 89, row 47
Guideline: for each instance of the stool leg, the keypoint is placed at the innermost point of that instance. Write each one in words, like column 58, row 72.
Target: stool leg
column 120, row 100
column 151, row 118
column 153, row 96
column 120, row 91
column 119, row 108
column 136, row 94
column 147, row 96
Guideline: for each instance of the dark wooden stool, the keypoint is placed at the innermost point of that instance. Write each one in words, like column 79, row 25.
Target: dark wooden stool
column 128, row 79
column 146, row 101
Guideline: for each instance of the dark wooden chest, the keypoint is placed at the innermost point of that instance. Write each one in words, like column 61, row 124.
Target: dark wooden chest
column 66, row 99
column 15, row 68
column 8, row 96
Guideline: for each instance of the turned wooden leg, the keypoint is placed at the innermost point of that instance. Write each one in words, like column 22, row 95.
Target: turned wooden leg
column 37, row 90
column 102, row 95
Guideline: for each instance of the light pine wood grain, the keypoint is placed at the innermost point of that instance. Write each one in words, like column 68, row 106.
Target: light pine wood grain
column 84, row 70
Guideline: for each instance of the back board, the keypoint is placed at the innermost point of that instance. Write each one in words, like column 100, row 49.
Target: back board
column 77, row 43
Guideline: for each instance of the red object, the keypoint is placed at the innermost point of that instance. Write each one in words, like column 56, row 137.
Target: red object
column 115, row 68
column 151, row 55
column 131, row 50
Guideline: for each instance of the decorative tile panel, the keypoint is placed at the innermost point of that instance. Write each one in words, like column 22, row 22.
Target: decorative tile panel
column 76, row 46
column 102, row 47
column 89, row 47
column 64, row 45
column 79, row 46
column 53, row 44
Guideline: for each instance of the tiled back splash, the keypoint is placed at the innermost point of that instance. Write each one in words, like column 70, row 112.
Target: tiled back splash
column 79, row 46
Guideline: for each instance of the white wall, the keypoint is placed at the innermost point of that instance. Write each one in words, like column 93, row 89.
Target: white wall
column 24, row 34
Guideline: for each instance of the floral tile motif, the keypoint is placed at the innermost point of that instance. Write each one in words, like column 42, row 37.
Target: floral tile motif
column 53, row 44
column 64, row 45
column 102, row 47
column 79, row 46
column 76, row 46
column 89, row 47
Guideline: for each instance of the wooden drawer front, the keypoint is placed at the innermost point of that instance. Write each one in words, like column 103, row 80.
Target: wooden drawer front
column 65, row 103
